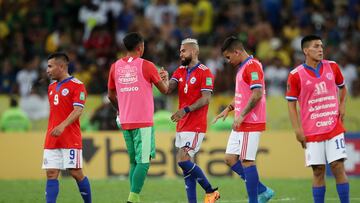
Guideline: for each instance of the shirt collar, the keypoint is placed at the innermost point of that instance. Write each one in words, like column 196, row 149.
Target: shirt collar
column 245, row 61
column 62, row 82
column 314, row 70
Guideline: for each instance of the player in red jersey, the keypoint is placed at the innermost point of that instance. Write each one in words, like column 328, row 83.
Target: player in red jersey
column 318, row 87
column 195, row 86
column 63, row 144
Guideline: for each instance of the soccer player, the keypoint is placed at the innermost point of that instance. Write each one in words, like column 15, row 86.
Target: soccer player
column 319, row 88
column 195, row 86
column 250, row 118
column 63, row 144
column 130, row 91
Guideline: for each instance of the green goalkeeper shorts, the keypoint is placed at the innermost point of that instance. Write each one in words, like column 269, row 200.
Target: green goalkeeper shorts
column 140, row 144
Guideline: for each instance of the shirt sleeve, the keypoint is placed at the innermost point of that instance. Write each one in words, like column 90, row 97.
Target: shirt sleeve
column 339, row 78
column 254, row 76
column 176, row 75
column 150, row 72
column 79, row 95
column 111, row 81
column 293, row 88
column 207, row 83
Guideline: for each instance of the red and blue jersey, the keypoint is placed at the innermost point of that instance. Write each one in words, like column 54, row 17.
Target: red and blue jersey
column 191, row 82
column 63, row 96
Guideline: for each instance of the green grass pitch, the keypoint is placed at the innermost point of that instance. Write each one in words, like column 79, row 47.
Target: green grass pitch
column 168, row 190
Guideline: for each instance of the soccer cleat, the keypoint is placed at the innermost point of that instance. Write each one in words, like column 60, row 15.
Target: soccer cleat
column 266, row 196
column 212, row 197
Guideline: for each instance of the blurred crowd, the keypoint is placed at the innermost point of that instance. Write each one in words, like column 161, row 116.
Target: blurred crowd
column 91, row 32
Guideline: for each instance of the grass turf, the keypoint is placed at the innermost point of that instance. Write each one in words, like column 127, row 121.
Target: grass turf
column 167, row 190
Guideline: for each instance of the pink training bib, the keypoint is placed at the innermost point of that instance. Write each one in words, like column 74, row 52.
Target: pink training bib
column 243, row 94
column 134, row 92
column 318, row 100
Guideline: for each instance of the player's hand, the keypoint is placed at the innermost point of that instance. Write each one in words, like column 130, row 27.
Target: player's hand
column 164, row 75
column 342, row 111
column 223, row 115
column 178, row 115
column 301, row 138
column 58, row 130
column 237, row 122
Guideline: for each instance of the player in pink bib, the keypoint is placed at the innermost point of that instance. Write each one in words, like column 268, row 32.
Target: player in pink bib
column 130, row 91
column 318, row 86
column 250, row 118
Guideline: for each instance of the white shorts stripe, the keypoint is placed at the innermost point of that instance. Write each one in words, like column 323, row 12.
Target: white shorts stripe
column 244, row 144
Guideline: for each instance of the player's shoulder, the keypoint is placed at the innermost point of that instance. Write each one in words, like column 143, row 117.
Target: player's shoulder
column 148, row 63
column 76, row 81
column 328, row 61
column 295, row 70
column 203, row 67
column 52, row 84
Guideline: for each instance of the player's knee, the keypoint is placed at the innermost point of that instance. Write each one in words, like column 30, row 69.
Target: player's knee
column 183, row 154
column 337, row 167
column 52, row 174
column 318, row 171
column 230, row 161
column 77, row 174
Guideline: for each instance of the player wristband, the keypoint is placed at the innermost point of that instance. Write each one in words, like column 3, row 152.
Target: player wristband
column 186, row 109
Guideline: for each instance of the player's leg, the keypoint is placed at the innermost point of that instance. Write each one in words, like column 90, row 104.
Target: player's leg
column 189, row 178
column 315, row 157
column 190, row 144
column 144, row 142
column 232, row 155
column 129, row 141
column 73, row 161
column 52, row 163
column 336, row 155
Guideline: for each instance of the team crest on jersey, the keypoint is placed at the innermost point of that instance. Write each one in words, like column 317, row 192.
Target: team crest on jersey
column 65, row 92
column 329, row 76
column 192, row 80
column 180, row 80
column 50, row 93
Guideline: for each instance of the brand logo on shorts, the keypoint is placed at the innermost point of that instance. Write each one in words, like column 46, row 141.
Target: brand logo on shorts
column 45, row 161
column 71, row 162
column 65, row 92
column 192, row 80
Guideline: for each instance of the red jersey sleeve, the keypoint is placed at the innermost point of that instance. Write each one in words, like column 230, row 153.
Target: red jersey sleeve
column 150, row 72
column 176, row 75
column 293, row 86
column 253, row 75
column 111, row 81
column 339, row 78
column 207, row 83
column 79, row 95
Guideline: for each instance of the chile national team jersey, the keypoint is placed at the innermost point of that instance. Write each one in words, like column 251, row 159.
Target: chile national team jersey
column 294, row 90
column 191, row 82
column 63, row 96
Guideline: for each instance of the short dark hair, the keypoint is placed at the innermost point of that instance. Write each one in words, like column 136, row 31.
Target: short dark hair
column 59, row 55
column 132, row 40
column 305, row 41
column 231, row 43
